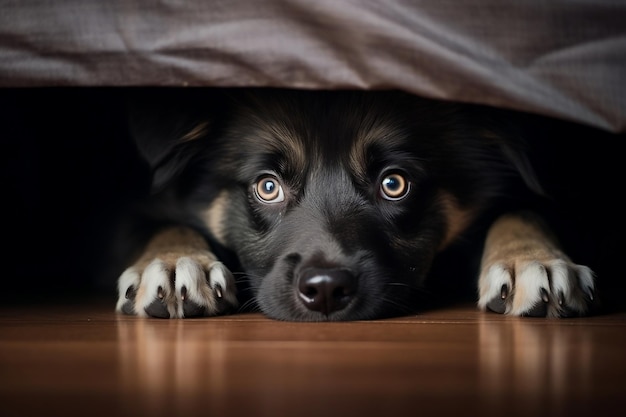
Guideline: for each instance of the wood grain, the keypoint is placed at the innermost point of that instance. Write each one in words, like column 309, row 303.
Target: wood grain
column 84, row 360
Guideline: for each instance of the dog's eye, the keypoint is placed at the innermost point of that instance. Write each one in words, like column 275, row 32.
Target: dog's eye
column 269, row 190
column 394, row 186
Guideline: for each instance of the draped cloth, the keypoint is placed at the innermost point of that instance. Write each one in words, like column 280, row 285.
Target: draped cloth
column 559, row 58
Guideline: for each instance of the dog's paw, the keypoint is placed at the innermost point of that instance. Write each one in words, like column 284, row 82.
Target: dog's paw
column 187, row 286
column 550, row 288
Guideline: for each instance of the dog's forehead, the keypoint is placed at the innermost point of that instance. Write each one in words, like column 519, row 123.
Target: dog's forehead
column 308, row 132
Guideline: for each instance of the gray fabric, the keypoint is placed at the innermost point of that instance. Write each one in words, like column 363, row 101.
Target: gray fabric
column 559, row 58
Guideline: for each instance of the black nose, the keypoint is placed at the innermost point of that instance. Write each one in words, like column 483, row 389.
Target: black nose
column 326, row 290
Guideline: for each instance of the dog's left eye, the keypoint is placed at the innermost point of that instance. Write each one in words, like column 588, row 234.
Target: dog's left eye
column 394, row 186
column 269, row 190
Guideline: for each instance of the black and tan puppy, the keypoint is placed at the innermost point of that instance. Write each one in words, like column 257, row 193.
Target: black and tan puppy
column 333, row 205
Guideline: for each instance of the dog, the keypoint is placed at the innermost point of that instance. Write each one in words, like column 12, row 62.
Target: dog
column 336, row 205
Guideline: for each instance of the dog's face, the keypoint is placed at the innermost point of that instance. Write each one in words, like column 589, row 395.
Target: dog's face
column 336, row 203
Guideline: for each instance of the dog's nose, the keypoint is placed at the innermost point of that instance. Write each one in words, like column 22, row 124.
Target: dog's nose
column 326, row 290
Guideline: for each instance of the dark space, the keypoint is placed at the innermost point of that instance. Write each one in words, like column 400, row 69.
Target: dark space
column 71, row 173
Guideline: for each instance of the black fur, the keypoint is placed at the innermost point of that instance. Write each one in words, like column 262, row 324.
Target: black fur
column 330, row 151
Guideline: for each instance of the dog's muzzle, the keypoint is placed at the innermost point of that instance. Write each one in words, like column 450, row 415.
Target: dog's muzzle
column 326, row 290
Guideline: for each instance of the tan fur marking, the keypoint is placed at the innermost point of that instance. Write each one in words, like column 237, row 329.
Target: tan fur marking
column 214, row 217
column 370, row 133
column 171, row 244
column 195, row 133
column 365, row 139
column 521, row 239
column 457, row 219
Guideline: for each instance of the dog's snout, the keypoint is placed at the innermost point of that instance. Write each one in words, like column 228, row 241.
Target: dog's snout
column 326, row 290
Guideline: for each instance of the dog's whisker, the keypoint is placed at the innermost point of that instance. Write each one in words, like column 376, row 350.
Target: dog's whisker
column 403, row 308
column 399, row 284
column 250, row 305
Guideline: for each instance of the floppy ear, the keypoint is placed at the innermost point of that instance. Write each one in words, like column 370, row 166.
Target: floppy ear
column 513, row 151
column 167, row 125
column 504, row 127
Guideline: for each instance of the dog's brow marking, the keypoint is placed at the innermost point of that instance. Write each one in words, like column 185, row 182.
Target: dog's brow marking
column 281, row 139
column 292, row 146
column 214, row 217
column 385, row 134
column 365, row 138
column 457, row 219
column 195, row 133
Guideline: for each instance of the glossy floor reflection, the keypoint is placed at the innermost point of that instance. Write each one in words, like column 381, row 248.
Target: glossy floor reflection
column 85, row 360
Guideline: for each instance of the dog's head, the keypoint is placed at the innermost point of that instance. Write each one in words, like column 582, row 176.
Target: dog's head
column 336, row 203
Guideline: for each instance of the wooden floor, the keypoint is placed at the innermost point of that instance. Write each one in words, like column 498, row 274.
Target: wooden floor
column 83, row 360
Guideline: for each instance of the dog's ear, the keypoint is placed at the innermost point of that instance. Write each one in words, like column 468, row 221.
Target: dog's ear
column 167, row 125
column 505, row 128
column 518, row 157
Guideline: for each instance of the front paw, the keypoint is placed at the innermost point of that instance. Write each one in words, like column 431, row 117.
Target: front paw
column 189, row 286
column 551, row 288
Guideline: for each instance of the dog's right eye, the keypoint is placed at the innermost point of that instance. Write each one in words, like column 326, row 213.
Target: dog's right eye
column 394, row 186
column 269, row 190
